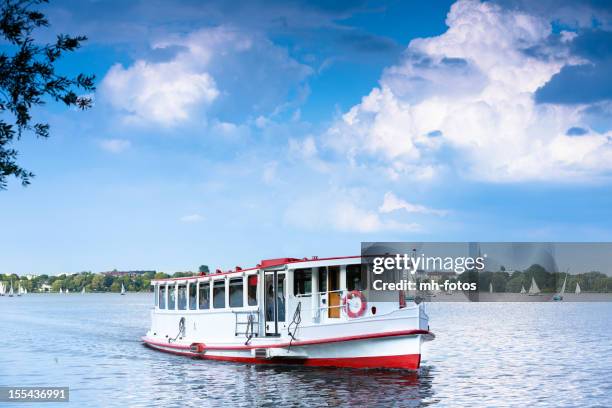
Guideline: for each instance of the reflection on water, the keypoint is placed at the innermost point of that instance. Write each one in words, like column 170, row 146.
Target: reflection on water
column 489, row 354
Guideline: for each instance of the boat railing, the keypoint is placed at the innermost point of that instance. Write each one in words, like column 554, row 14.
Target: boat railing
column 246, row 323
column 299, row 295
column 322, row 307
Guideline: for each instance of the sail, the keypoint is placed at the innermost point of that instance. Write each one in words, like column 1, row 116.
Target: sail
column 490, row 287
column 523, row 289
column 11, row 290
column 563, row 287
column 83, row 291
column 61, row 290
column 577, row 288
column 534, row 290
column 122, row 289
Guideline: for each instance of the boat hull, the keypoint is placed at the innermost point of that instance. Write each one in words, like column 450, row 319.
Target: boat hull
column 389, row 351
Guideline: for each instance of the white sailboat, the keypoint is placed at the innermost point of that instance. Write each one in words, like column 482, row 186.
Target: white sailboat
column 490, row 287
column 2, row 289
column 578, row 288
column 83, row 291
column 67, row 291
column 19, row 290
column 25, row 291
column 122, row 289
column 559, row 296
column 534, row 290
column 61, row 290
column 523, row 291
column 11, row 290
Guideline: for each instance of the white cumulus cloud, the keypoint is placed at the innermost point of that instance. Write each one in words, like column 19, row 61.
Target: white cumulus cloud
column 466, row 100
column 393, row 203
column 220, row 67
column 115, row 145
column 341, row 211
column 161, row 93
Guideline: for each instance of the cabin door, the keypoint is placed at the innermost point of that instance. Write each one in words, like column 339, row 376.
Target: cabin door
column 274, row 286
column 333, row 291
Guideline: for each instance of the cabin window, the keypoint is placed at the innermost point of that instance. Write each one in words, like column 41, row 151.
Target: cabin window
column 171, row 297
column 302, row 281
column 219, row 294
column 156, row 296
column 236, row 292
column 162, row 297
column 204, row 295
column 192, row 296
column 356, row 277
column 323, row 279
column 252, row 290
column 280, row 295
column 182, row 297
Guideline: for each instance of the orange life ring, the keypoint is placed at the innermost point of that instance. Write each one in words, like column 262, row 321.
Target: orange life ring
column 346, row 302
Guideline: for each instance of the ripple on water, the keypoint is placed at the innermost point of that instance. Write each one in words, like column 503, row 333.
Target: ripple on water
column 486, row 354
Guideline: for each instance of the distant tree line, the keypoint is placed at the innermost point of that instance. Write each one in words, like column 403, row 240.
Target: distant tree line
column 92, row 282
column 502, row 281
column 551, row 282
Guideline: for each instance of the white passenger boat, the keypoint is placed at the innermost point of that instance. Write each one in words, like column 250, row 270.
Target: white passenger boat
column 312, row 312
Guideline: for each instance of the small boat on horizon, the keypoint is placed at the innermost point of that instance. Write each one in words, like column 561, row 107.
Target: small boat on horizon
column 83, row 291
column 559, row 296
column 308, row 312
column 11, row 293
column 578, row 288
column 534, row 290
column 122, row 289
column 2, row 289
column 523, row 291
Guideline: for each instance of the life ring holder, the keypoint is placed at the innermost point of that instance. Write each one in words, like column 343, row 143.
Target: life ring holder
column 346, row 305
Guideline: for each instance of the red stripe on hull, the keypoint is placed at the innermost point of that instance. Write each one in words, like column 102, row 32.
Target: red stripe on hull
column 405, row 362
column 301, row 342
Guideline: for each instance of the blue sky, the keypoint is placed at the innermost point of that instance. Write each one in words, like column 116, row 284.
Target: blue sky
column 225, row 135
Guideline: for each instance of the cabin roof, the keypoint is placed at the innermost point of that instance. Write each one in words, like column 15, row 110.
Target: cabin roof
column 265, row 263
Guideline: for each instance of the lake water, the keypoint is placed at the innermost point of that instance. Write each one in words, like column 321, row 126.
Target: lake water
column 485, row 354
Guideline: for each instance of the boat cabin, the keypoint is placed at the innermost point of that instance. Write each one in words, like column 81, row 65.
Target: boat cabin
column 263, row 301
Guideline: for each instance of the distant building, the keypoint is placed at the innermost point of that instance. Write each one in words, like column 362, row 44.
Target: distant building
column 441, row 276
column 45, row 287
column 126, row 273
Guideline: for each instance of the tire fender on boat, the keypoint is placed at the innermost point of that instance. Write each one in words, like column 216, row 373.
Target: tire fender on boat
column 346, row 302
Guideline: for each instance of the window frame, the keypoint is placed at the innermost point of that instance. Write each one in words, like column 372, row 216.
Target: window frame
column 174, row 300
column 218, row 283
column 208, row 289
column 192, row 284
column 363, row 276
column 163, row 289
column 300, row 271
column 256, row 286
column 236, row 281
column 179, row 287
